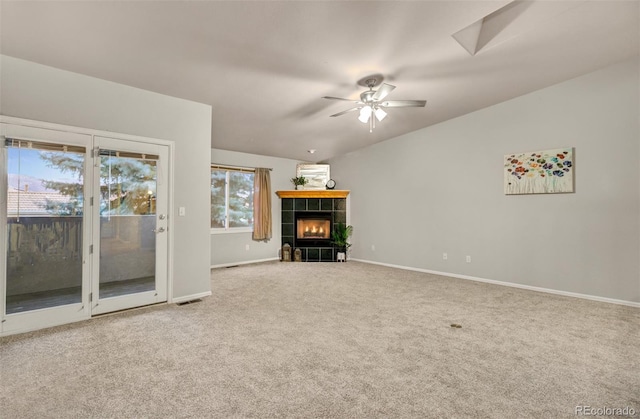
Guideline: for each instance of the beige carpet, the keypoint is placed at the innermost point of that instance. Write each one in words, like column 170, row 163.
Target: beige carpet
column 332, row 340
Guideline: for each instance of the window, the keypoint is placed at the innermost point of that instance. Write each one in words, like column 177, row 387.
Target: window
column 231, row 199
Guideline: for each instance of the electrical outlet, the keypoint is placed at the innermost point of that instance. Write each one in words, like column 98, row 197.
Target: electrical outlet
column 444, row 256
column 468, row 259
column 373, row 247
column 246, row 247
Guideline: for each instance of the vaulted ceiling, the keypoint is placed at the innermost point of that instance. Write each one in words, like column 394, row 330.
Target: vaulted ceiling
column 263, row 66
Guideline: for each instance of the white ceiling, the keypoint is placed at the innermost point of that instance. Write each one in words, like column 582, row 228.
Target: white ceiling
column 263, row 66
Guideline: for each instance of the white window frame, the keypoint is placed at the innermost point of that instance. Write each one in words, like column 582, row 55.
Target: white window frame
column 226, row 229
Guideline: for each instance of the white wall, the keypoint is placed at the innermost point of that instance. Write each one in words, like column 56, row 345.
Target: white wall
column 440, row 189
column 230, row 248
column 33, row 91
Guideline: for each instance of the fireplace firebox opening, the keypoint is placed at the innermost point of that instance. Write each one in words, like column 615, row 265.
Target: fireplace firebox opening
column 313, row 228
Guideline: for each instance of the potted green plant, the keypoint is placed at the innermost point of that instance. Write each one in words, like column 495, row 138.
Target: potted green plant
column 299, row 181
column 340, row 239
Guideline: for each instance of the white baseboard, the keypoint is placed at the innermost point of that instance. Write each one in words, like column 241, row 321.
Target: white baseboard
column 225, row 265
column 191, row 297
column 509, row 284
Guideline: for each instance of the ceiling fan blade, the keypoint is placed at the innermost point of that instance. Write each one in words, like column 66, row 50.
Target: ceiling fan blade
column 339, row 98
column 383, row 91
column 347, row 111
column 404, row 103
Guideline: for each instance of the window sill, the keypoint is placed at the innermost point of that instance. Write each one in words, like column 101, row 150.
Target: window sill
column 231, row 230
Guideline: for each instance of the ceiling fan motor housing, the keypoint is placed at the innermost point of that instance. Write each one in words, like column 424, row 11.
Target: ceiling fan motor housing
column 367, row 96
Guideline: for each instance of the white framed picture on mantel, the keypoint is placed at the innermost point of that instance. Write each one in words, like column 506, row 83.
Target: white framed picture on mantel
column 317, row 175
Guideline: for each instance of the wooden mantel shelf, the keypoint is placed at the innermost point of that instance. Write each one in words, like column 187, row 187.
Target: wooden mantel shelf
column 313, row 193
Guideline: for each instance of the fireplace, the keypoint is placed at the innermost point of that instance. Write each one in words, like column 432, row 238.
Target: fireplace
column 313, row 229
column 308, row 217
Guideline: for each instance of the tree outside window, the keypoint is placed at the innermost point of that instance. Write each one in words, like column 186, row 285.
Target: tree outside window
column 231, row 199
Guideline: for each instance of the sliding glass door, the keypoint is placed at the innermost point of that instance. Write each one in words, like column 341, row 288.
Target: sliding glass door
column 131, row 225
column 45, row 227
column 83, row 226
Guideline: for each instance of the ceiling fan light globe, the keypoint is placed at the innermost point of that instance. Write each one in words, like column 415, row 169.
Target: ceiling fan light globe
column 380, row 114
column 365, row 114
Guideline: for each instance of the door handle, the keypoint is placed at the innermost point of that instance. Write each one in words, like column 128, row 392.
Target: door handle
column 159, row 230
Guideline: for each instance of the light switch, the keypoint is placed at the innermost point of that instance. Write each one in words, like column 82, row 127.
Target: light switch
column 182, row 211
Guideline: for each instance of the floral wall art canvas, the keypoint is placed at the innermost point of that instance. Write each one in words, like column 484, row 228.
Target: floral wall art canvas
column 549, row 171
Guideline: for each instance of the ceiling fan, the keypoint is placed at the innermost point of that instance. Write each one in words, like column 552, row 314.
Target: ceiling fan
column 371, row 103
